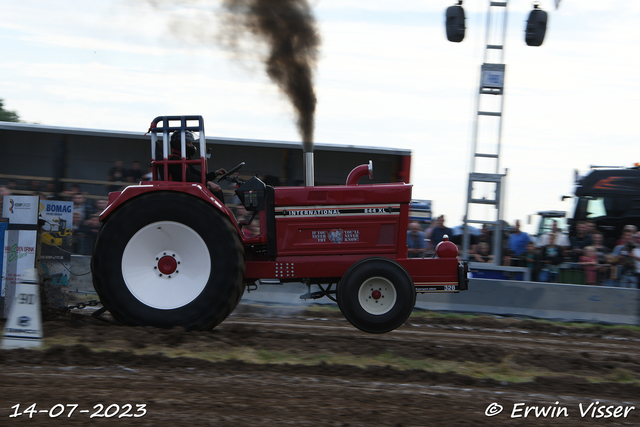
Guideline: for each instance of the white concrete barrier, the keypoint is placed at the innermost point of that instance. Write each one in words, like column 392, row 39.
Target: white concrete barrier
column 550, row 301
column 541, row 300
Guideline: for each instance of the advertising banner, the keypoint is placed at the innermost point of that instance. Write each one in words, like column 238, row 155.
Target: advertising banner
column 20, row 209
column 57, row 235
column 23, row 328
column 19, row 255
column 19, row 248
column 3, row 227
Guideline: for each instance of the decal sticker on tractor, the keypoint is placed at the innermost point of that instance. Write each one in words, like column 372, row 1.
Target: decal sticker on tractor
column 338, row 210
column 336, row 235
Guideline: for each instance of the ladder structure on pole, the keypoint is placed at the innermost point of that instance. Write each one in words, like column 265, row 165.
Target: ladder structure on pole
column 486, row 183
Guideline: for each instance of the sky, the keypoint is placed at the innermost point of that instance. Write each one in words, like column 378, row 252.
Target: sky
column 386, row 77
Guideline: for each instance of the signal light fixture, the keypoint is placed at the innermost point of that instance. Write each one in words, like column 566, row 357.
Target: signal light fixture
column 454, row 23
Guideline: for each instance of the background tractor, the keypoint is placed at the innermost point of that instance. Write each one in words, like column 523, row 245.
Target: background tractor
column 170, row 253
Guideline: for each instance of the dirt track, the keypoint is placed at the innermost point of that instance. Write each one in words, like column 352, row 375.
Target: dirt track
column 563, row 363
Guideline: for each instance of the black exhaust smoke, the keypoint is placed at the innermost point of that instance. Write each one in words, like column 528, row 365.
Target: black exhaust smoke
column 288, row 28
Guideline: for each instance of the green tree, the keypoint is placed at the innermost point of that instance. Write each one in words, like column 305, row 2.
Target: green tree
column 6, row 115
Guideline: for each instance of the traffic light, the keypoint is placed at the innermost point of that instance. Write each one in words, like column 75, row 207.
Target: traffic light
column 536, row 27
column 455, row 23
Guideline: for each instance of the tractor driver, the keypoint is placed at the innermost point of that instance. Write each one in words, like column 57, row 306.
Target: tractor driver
column 193, row 174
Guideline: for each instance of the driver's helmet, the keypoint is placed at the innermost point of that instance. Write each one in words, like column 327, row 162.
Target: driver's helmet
column 188, row 137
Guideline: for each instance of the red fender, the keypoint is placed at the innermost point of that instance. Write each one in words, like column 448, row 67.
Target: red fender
column 117, row 198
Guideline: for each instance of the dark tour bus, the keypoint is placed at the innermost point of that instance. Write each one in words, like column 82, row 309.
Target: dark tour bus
column 610, row 197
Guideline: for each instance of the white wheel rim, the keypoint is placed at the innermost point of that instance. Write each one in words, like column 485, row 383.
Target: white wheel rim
column 377, row 295
column 182, row 281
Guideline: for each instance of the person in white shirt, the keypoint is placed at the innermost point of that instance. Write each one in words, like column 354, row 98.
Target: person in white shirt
column 561, row 238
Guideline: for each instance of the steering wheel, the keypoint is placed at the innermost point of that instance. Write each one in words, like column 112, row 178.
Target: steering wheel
column 226, row 175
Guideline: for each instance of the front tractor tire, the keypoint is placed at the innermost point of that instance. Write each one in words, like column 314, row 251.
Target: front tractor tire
column 168, row 259
column 376, row 295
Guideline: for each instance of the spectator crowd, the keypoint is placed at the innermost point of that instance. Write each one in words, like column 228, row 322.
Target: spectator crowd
column 584, row 257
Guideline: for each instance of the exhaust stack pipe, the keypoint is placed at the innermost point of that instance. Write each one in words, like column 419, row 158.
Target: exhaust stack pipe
column 308, row 169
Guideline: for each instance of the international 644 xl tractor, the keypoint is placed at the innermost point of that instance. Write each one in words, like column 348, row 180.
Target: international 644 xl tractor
column 171, row 254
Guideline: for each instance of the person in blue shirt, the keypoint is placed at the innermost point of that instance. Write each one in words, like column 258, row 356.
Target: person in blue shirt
column 438, row 232
column 518, row 240
column 416, row 241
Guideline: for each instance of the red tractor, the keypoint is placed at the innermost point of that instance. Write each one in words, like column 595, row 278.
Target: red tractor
column 171, row 254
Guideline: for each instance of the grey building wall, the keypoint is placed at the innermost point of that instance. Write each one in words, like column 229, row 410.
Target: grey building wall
column 35, row 150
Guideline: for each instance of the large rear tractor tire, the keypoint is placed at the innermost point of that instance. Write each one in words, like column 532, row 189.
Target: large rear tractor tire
column 168, row 259
column 376, row 295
